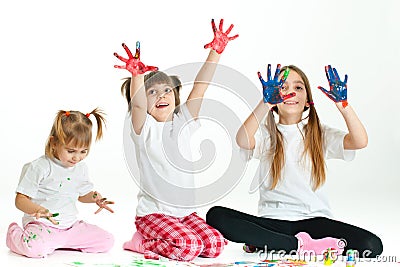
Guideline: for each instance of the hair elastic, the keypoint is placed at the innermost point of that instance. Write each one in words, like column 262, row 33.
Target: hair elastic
column 67, row 113
column 87, row 115
column 310, row 103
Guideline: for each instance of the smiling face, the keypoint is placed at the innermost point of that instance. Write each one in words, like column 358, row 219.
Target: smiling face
column 291, row 110
column 161, row 102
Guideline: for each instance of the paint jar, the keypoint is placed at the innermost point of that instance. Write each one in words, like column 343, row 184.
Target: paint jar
column 351, row 258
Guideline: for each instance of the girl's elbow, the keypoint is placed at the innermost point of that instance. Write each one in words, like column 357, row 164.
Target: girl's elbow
column 19, row 200
column 364, row 143
column 361, row 144
column 244, row 142
column 16, row 202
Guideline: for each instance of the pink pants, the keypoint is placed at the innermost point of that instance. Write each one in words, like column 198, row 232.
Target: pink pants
column 179, row 238
column 38, row 240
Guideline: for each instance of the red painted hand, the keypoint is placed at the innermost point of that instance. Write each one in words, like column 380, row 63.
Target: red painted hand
column 133, row 63
column 221, row 38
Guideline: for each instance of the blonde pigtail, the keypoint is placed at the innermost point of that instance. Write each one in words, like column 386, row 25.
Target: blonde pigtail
column 100, row 120
column 60, row 134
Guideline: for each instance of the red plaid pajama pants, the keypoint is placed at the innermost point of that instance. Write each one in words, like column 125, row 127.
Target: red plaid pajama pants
column 180, row 239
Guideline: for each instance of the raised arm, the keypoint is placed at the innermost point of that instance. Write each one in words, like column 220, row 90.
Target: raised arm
column 207, row 71
column 357, row 136
column 245, row 135
column 138, row 104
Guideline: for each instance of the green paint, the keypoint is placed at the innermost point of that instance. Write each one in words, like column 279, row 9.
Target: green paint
column 286, row 74
column 69, row 179
column 60, row 184
column 48, row 231
column 32, row 236
column 137, row 262
column 141, row 262
column 55, row 214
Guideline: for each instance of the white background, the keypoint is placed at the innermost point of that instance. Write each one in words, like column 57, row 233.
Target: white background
column 59, row 55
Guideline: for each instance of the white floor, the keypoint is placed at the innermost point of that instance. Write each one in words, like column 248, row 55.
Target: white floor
column 121, row 225
column 120, row 258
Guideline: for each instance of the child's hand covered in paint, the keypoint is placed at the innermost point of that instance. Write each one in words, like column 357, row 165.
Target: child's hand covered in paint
column 221, row 38
column 45, row 213
column 133, row 63
column 337, row 89
column 102, row 202
column 272, row 88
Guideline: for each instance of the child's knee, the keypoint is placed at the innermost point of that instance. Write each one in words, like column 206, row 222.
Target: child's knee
column 28, row 242
column 108, row 242
column 213, row 247
column 189, row 249
column 102, row 245
column 372, row 247
column 37, row 250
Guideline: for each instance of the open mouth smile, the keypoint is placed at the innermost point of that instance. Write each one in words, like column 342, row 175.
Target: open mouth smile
column 162, row 105
column 290, row 102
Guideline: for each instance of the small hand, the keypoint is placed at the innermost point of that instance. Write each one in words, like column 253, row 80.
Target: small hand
column 133, row 63
column 45, row 213
column 338, row 89
column 272, row 87
column 102, row 202
column 221, row 38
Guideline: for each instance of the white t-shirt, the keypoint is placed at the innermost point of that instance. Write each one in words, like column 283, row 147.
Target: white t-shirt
column 54, row 187
column 293, row 198
column 164, row 160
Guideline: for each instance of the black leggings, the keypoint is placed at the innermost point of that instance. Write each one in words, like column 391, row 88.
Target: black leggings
column 277, row 234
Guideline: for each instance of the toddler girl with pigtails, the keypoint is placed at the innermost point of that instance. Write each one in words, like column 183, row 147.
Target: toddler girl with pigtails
column 49, row 188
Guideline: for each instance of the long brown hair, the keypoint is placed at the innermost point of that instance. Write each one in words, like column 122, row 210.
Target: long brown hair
column 74, row 128
column 150, row 79
column 313, row 140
